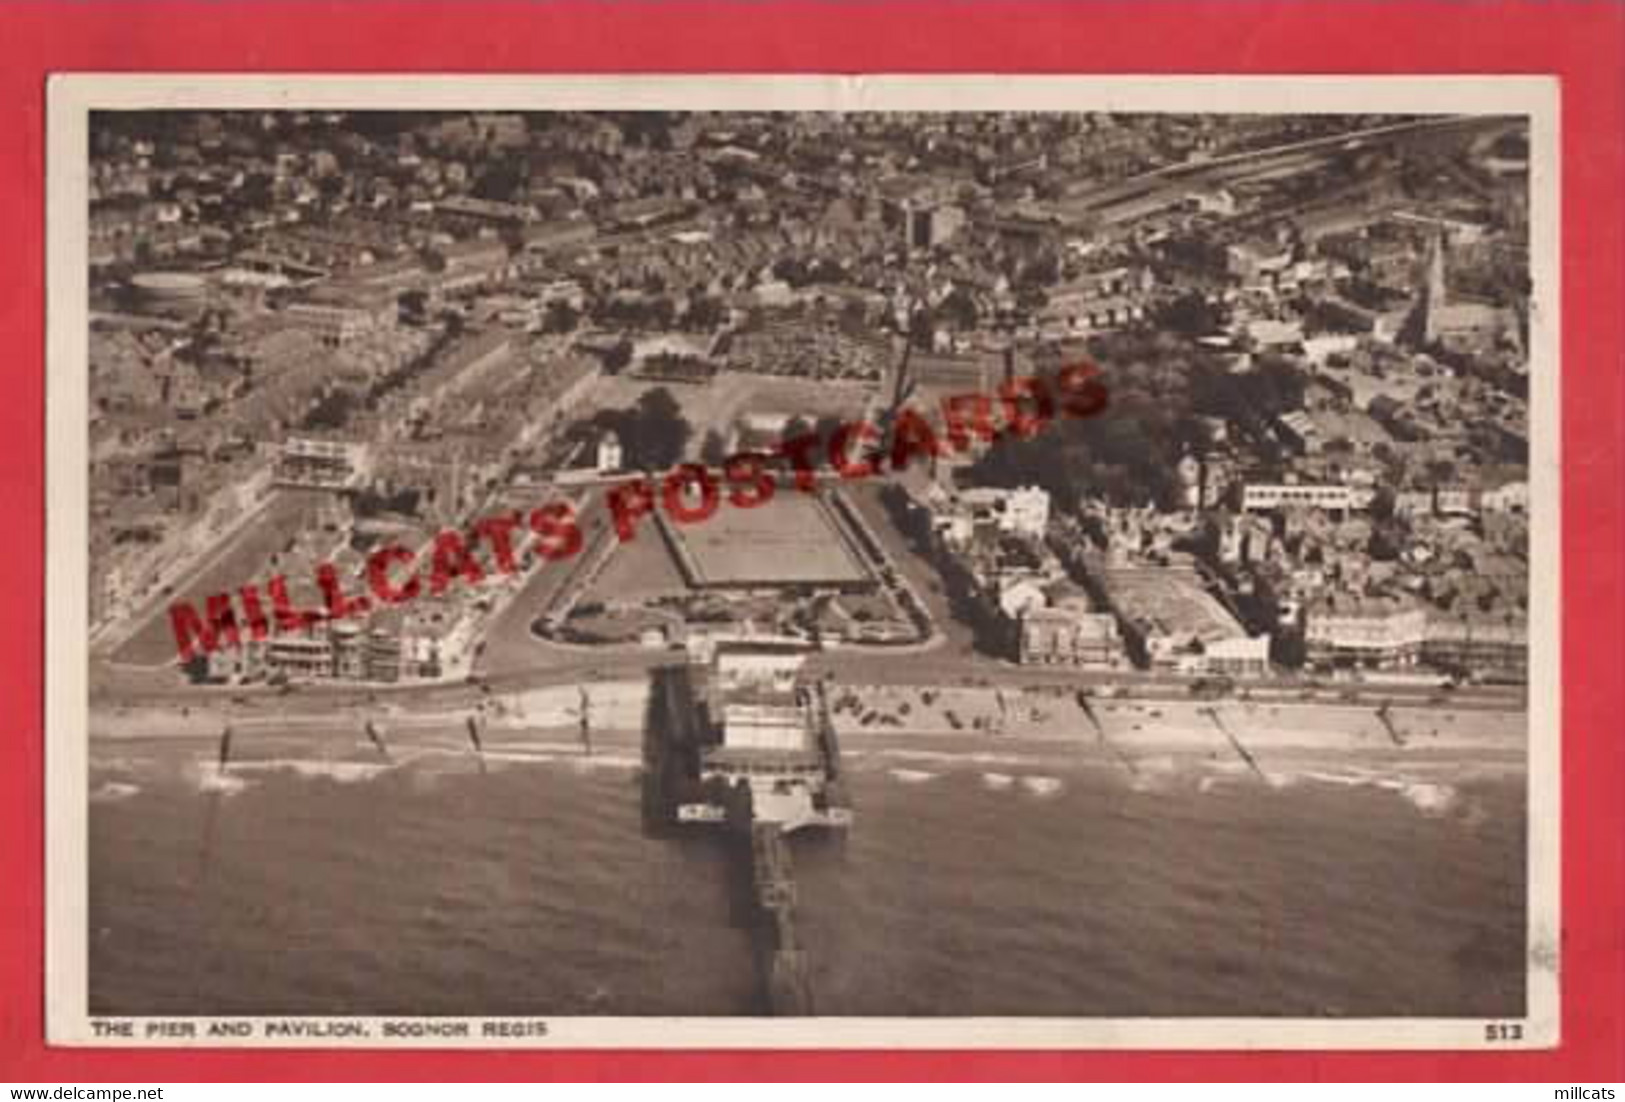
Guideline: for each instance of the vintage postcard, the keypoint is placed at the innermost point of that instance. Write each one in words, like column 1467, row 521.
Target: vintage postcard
column 642, row 562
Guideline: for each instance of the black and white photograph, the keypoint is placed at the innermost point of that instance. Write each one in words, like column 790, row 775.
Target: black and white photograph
column 743, row 561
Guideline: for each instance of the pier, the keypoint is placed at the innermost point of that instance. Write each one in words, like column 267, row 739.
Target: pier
column 748, row 745
column 783, row 960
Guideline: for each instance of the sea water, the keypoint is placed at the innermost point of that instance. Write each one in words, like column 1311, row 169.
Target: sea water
column 536, row 887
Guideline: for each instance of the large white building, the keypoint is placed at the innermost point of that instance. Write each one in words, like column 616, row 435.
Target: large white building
column 766, row 722
column 320, row 463
column 1021, row 512
column 1383, row 633
column 1182, row 627
column 1070, row 633
column 1097, row 300
column 759, row 665
column 337, row 325
column 1267, row 497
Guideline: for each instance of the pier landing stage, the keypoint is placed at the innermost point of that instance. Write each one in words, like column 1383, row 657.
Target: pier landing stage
column 750, row 741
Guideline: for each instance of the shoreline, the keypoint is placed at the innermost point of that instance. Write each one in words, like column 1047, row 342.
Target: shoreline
column 1431, row 782
column 944, row 726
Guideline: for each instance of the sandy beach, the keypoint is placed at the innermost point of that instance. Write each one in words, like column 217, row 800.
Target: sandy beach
column 978, row 727
column 1173, row 725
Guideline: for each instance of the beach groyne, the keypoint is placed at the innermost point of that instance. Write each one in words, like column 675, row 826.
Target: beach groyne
column 1123, row 732
column 1135, row 728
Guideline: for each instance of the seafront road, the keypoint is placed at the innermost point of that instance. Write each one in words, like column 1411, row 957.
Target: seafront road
column 114, row 687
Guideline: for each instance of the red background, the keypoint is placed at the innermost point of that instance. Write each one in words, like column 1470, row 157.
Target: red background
column 1582, row 42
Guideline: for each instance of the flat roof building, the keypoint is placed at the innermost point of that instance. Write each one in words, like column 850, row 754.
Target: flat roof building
column 1373, row 632
column 1266, row 497
column 1182, row 627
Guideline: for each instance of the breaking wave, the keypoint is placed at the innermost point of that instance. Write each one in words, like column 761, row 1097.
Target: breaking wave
column 912, row 776
column 109, row 791
column 1041, row 786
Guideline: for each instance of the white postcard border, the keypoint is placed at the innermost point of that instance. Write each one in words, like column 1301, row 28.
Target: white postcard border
column 71, row 96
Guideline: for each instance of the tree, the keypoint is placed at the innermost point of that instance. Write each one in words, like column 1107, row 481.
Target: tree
column 1382, row 505
column 331, row 187
column 959, row 309
column 705, row 312
column 1288, row 649
column 827, row 425
column 1383, row 545
column 792, row 270
column 660, row 432
column 1441, row 471
column 921, row 328
column 825, row 429
column 1192, row 315
column 618, row 357
column 256, row 191
column 560, row 317
column 1043, row 270
column 853, row 317
column 413, row 307
column 332, row 411
column 797, row 426
column 502, row 180
column 714, row 449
